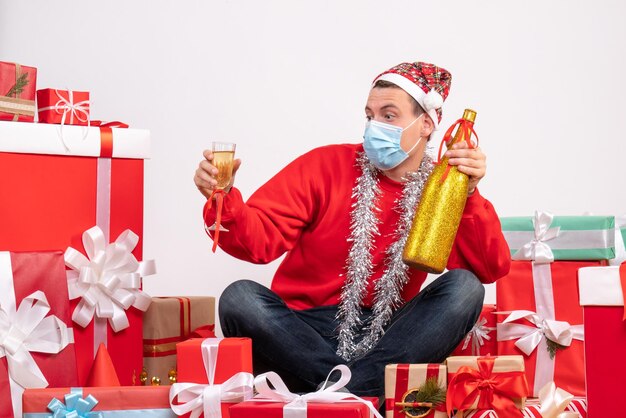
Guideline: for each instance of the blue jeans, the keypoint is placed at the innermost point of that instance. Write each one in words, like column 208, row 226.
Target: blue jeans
column 300, row 345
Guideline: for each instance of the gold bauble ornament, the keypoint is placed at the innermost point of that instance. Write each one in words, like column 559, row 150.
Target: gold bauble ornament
column 172, row 375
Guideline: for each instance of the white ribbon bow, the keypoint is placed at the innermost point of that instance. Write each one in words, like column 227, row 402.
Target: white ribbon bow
column 109, row 280
column 537, row 249
column 529, row 337
column 477, row 336
column 202, row 398
column 296, row 406
column 30, row 329
column 553, row 402
column 207, row 398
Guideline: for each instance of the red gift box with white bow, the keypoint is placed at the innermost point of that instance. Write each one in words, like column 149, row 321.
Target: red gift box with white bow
column 36, row 342
column 544, row 322
column 64, row 107
column 58, row 185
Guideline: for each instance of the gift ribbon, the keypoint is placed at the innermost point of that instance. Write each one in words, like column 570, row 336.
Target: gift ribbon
column 620, row 249
column 219, row 198
column 553, row 402
column 108, row 281
column 296, row 405
column 203, row 398
column 75, row 406
column 537, row 249
column 26, row 329
column 103, row 206
column 467, row 128
column 492, row 390
column 477, row 336
column 529, row 337
column 545, row 326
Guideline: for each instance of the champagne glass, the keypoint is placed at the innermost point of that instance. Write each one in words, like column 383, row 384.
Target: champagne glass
column 223, row 160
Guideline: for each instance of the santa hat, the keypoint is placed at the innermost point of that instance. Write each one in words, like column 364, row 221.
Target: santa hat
column 426, row 83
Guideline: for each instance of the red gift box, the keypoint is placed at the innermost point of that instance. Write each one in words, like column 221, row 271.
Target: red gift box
column 486, row 382
column 234, row 355
column 65, row 107
column 481, row 340
column 212, row 361
column 18, row 84
column 544, row 297
column 602, row 294
column 342, row 409
column 274, row 400
column 34, row 280
column 402, row 379
column 56, row 194
column 136, row 400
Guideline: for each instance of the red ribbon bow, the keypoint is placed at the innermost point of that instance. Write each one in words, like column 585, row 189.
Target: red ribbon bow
column 467, row 128
column 219, row 198
column 493, row 390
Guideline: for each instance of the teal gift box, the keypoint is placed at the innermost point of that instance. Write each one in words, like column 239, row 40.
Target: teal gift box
column 545, row 238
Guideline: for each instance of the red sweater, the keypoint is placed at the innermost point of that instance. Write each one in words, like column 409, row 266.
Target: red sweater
column 304, row 210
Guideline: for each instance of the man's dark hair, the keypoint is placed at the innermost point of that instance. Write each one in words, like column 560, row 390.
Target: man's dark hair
column 384, row 84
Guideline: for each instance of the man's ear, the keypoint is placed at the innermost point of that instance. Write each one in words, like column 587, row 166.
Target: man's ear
column 427, row 127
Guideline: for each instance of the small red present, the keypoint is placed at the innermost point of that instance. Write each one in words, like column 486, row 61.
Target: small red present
column 602, row 294
column 403, row 381
column 57, row 193
column 89, row 401
column 276, row 401
column 481, row 340
column 213, row 375
column 167, row 322
column 233, row 355
column 496, row 383
column 545, row 323
column 18, row 84
column 36, row 347
column 64, row 107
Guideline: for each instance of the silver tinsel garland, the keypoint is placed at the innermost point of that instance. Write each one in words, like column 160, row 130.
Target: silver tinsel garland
column 359, row 268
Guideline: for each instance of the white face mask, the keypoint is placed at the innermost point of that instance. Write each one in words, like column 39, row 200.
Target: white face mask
column 382, row 144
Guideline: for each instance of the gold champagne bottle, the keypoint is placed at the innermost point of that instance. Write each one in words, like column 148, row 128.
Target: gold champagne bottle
column 439, row 212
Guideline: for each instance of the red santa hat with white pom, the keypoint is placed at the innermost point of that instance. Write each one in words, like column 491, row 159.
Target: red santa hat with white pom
column 426, row 83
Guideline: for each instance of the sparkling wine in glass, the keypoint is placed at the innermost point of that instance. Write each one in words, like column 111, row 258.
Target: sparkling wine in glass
column 223, row 160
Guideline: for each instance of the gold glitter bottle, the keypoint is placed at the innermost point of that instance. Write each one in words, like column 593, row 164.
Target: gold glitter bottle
column 439, row 212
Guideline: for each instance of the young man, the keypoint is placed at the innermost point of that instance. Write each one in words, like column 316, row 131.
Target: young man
column 342, row 214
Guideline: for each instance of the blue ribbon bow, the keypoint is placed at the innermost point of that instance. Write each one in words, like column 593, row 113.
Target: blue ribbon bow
column 75, row 406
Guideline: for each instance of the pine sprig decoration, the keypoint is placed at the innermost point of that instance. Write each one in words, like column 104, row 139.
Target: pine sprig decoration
column 553, row 347
column 417, row 403
column 431, row 392
column 18, row 87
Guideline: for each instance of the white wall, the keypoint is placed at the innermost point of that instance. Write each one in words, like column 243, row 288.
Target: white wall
column 281, row 77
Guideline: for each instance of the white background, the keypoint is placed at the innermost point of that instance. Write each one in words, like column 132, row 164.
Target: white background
column 281, row 77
